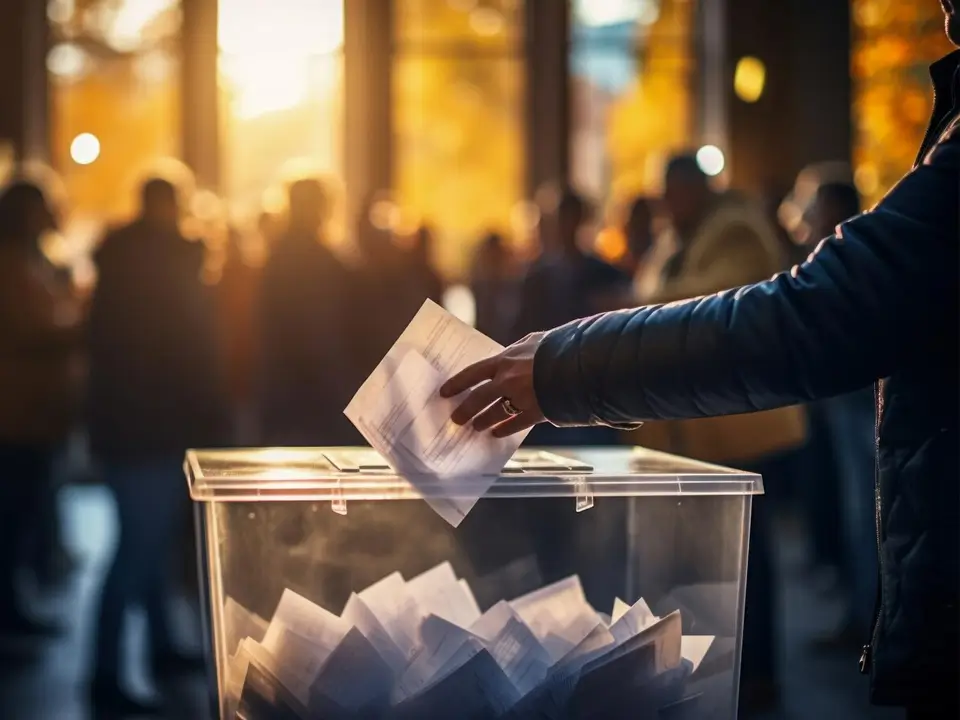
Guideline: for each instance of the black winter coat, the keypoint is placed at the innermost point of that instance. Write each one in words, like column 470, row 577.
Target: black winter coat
column 156, row 387
column 878, row 300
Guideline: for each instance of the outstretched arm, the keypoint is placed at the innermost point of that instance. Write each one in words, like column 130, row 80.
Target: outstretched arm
column 868, row 302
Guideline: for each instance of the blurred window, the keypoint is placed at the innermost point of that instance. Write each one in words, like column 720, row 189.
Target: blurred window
column 893, row 44
column 114, row 95
column 282, row 96
column 458, row 89
column 631, row 71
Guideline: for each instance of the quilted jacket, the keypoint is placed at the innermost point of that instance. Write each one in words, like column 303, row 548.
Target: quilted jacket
column 877, row 302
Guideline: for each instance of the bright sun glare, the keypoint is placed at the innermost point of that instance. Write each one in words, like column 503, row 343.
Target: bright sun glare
column 272, row 61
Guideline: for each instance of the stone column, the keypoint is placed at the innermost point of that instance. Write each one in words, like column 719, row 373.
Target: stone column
column 368, row 156
column 24, row 104
column 547, row 109
column 199, row 92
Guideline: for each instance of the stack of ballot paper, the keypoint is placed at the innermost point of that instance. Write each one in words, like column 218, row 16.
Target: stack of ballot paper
column 421, row 648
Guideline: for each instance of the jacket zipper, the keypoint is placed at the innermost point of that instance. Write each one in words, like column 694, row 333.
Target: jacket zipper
column 866, row 656
column 935, row 122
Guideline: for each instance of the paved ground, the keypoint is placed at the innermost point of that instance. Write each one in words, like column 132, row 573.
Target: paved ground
column 50, row 687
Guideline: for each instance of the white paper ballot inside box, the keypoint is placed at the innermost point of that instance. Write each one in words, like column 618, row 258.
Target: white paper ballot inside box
column 400, row 646
column 399, row 411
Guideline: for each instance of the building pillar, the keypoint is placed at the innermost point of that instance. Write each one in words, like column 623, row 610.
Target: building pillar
column 547, row 111
column 711, row 101
column 804, row 113
column 368, row 154
column 24, row 97
column 200, row 92
column 823, row 90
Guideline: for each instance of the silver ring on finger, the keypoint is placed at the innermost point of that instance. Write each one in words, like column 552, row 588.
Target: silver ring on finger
column 509, row 408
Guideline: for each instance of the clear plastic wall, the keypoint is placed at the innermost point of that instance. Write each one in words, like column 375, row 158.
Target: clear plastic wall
column 592, row 583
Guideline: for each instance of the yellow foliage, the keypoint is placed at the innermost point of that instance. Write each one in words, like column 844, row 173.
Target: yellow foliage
column 893, row 45
column 136, row 124
column 652, row 119
column 458, row 126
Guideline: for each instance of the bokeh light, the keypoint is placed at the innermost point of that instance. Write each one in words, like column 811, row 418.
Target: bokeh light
column 749, row 79
column 85, row 148
column 270, row 61
column 710, row 159
column 67, row 61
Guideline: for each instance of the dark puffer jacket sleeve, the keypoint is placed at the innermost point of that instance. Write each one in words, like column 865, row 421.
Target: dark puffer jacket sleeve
column 863, row 306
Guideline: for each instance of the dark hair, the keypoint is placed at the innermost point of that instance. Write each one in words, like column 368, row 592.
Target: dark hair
column 570, row 199
column 843, row 198
column 307, row 190
column 14, row 203
column 640, row 206
column 493, row 240
column 684, row 167
column 156, row 190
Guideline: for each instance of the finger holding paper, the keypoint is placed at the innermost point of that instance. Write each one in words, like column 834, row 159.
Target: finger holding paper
column 401, row 413
column 501, row 392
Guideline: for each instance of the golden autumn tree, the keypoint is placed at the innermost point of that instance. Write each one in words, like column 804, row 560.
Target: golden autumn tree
column 114, row 75
column 894, row 43
column 652, row 119
column 458, row 118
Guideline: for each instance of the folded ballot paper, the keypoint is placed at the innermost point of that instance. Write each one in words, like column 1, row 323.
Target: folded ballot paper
column 399, row 411
column 423, row 649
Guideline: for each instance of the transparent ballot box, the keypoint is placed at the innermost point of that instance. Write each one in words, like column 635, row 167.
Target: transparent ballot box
column 584, row 583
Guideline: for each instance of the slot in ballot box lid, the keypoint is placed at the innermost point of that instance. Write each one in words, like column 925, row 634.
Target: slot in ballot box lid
column 339, row 473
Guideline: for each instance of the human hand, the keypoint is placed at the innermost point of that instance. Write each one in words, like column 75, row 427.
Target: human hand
column 501, row 394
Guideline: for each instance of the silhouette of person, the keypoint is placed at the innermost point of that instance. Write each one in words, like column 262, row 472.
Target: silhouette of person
column 155, row 390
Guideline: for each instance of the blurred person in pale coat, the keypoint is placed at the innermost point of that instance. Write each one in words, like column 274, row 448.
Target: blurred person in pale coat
column 42, row 371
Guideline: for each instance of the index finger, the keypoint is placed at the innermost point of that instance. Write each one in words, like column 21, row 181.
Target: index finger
column 469, row 377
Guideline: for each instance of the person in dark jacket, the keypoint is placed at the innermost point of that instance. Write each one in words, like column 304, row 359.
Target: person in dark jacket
column 426, row 280
column 565, row 282
column 155, row 391
column 493, row 283
column 638, row 229
column 877, row 301
column 303, row 337
column 41, row 379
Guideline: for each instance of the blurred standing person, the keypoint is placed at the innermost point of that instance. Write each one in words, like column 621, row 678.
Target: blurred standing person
column 304, row 316
column 424, row 275
column 493, row 285
column 565, row 281
column 385, row 297
column 237, row 293
column 41, row 376
column 722, row 241
column 155, row 390
column 639, row 233
column 269, row 229
column 843, row 444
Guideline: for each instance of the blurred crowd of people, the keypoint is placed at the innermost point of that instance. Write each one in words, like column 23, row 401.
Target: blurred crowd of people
column 158, row 358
